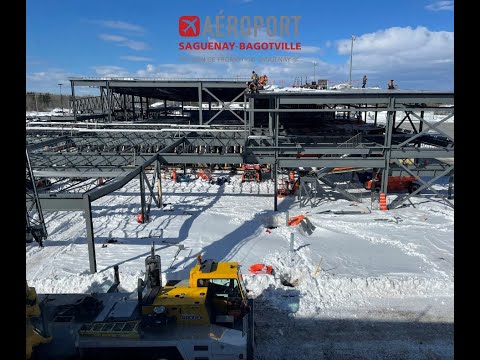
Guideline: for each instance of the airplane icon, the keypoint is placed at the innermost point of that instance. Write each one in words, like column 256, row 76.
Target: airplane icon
column 191, row 24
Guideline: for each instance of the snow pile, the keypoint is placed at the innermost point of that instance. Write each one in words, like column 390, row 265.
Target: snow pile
column 341, row 86
column 54, row 112
column 364, row 260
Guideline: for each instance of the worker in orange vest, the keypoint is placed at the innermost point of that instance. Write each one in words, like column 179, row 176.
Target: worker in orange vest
column 291, row 176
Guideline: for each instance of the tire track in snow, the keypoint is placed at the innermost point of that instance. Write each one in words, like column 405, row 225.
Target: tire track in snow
column 378, row 238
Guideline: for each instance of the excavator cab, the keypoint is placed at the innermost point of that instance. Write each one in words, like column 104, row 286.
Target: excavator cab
column 226, row 292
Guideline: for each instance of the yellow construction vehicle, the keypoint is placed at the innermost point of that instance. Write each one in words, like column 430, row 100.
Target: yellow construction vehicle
column 214, row 294
column 32, row 311
column 207, row 316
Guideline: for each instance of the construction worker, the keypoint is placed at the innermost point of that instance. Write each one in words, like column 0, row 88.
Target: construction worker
column 255, row 78
column 364, row 81
column 262, row 82
column 265, row 80
column 254, row 84
column 390, row 85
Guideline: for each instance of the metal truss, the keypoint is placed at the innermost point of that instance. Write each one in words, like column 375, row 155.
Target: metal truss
column 121, row 152
column 34, row 221
column 226, row 106
column 425, row 185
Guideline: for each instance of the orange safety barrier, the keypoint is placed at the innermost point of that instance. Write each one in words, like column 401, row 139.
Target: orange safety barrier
column 295, row 220
column 383, row 202
column 260, row 269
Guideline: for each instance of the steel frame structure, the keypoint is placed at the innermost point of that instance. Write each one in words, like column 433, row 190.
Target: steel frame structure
column 34, row 221
column 123, row 151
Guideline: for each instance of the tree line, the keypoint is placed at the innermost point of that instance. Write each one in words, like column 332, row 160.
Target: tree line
column 46, row 101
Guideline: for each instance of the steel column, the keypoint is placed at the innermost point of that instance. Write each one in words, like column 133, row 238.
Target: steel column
column 158, row 169
column 251, row 114
column 109, row 103
column 87, row 212
column 125, row 106
column 74, row 105
column 142, row 196
column 200, row 113
column 450, row 187
column 387, row 146
column 133, row 107
column 102, row 101
column 270, row 116
column 277, row 118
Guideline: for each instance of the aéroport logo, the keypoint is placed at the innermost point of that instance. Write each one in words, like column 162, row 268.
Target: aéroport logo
column 244, row 26
column 189, row 26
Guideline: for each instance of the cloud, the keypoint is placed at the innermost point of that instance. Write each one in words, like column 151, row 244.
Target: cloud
column 110, row 71
column 179, row 71
column 402, row 53
column 416, row 58
column 135, row 45
column 112, row 38
column 123, row 41
column 135, row 58
column 121, row 25
column 48, row 80
column 51, row 75
column 247, row 1
column 440, row 5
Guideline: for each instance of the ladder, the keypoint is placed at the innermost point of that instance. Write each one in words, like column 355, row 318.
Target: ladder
column 127, row 329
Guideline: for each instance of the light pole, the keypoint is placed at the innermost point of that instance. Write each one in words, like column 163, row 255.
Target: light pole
column 314, row 66
column 61, row 99
column 351, row 58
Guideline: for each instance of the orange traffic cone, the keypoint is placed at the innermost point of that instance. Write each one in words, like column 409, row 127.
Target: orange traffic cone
column 140, row 218
column 383, row 202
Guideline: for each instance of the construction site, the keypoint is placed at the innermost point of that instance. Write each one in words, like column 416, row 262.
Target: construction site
column 222, row 178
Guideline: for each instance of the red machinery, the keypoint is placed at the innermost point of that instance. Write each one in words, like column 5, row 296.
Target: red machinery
column 205, row 175
column 251, row 172
column 395, row 183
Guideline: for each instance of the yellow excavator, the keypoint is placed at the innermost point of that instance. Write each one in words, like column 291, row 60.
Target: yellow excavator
column 207, row 316
column 33, row 335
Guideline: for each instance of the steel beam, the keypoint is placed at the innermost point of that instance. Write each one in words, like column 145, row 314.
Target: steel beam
column 118, row 83
column 62, row 202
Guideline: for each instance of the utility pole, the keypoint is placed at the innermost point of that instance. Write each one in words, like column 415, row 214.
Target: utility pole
column 314, row 66
column 351, row 58
column 61, row 99
column 36, row 104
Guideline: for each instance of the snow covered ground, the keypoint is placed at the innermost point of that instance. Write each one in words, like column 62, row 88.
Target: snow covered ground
column 54, row 112
column 369, row 285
